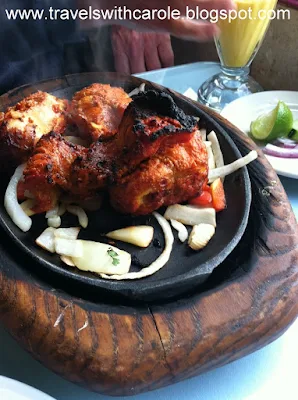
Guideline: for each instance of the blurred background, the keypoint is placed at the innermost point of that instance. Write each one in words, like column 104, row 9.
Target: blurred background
column 276, row 64
column 41, row 52
column 275, row 67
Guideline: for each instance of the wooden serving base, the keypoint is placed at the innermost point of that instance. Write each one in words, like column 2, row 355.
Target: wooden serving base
column 122, row 349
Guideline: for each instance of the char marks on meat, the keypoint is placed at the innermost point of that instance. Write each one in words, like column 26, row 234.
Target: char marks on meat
column 93, row 171
column 152, row 120
column 157, row 158
column 164, row 160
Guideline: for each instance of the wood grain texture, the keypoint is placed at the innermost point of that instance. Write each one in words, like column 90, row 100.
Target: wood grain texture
column 124, row 349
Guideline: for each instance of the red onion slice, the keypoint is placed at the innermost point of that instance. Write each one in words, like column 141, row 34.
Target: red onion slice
column 280, row 152
column 286, row 143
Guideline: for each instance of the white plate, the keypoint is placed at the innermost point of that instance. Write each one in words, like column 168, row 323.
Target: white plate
column 243, row 111
column 11, row 389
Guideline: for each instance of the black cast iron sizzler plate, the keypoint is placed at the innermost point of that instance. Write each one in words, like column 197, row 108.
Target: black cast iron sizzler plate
column 186, row 269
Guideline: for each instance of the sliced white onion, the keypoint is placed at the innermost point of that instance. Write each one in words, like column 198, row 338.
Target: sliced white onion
column 182, row 231
column 80, row 213
column 13, row 208
column 29, row 212
column 68, row 261
column 47, row 240
column 27, row 206
column 67, row 233
column 218, row 156
column 53, row 213
column 159, row 262
column 201, row 236
column 97, row 258
column 138, row 90
column 191, row 215
column 230, row 168
column 211, row 159
column 138, row 235
column 29, row 203
column 69, row 248
column 203, row 134
column 54, row 222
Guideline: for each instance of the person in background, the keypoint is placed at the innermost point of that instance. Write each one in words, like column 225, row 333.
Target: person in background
column 32, row 50
column 136, row 52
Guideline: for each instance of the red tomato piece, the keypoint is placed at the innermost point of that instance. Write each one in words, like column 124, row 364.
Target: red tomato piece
column 218, row 195
column 206, row 188
column 205, row 199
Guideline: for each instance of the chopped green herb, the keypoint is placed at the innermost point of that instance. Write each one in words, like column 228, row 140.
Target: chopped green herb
column 114, row 256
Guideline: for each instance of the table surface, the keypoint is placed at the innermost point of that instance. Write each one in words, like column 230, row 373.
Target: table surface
column 269, row 373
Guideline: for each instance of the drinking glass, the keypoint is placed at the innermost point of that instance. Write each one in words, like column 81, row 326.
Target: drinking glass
column 237, row 45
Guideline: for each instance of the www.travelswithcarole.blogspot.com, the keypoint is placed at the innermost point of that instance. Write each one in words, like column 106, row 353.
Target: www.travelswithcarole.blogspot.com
column 124, row 13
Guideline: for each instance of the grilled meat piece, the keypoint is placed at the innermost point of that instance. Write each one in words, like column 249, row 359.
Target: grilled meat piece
column 163, row 160
column 24, row 124
column 152, row 120
column 98, row 110
column 173, row 175
column 142, row 133
column 48, row 170
column 158, row 158
column 93, row 171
